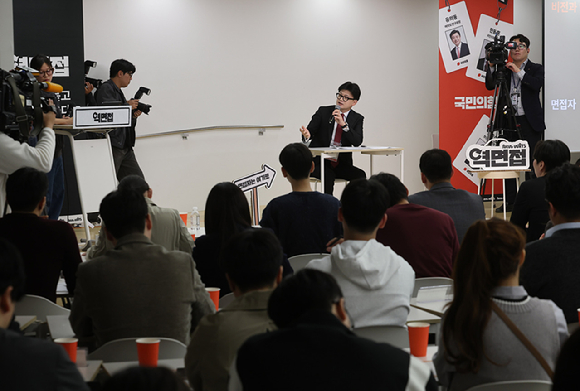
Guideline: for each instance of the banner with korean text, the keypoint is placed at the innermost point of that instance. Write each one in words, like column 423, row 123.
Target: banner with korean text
column 465, row 28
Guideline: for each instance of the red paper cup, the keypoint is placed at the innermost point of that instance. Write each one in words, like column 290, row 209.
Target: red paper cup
column 418, row 338
column 579, row 314
column 184, row 218
column 193, row 237
column 70, row 345
column 214, row 293
column 148, row 351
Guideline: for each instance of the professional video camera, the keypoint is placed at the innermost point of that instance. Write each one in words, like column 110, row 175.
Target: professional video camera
column 145, row 108
column 21, row 105
column 496, row 51
column 95, row 82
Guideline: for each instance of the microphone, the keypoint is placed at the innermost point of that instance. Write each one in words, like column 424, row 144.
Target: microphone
column 337, row 107
column 51, row 87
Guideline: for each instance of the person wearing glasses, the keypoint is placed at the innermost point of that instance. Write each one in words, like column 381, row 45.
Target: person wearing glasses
column 336, row 126
column 122, row 139
column 526, row 80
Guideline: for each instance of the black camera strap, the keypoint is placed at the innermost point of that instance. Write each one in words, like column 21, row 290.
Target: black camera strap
column 21, row 117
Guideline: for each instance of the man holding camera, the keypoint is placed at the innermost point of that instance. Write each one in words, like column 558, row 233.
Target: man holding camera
column 526, row 79
column 122, row 139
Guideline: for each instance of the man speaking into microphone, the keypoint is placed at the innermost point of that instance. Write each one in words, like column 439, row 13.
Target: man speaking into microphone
column 336, row 126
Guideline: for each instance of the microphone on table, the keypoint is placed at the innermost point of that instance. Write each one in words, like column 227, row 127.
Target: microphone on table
column 337, row 107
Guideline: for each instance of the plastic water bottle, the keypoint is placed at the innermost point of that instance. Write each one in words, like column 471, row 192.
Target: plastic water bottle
column 194, row 219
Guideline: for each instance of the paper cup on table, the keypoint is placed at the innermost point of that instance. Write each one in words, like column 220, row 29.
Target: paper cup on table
column 214, row 293
column 418, row 338
column 184, row 218
column 70, row 345
column 579, row 314
column 148, row 351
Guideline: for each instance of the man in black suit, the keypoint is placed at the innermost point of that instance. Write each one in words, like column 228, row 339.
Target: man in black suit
column 461, row 49
column 552, row 267
column 336, row 126
column 526, row 80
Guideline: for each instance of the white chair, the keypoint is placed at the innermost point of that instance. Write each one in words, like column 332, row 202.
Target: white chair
column 396, row 336
column 519, row 385
column 125, row 349
column 300, row 261
column 226, row 299
column 39, row 307
column 430, row 281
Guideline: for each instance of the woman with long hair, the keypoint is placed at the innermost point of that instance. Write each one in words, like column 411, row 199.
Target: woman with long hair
column 476, row 345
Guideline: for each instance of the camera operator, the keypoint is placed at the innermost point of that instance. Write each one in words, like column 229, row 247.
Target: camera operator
column 14, row 155
column 122, row 139
column 526, row 80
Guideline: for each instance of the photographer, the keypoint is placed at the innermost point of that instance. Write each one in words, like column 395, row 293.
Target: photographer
column 14, row 155
column 122, row 139
column 526, row 79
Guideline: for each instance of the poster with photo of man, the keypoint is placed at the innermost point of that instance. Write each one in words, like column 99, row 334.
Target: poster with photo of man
column 455, row 36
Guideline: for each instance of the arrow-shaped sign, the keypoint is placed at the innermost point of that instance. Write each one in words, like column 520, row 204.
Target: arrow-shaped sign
column 257, row 179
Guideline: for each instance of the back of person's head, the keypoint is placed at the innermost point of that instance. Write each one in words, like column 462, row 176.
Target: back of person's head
column 296, row 159
column 121, row 65
column 397, row 191
column 568, row 364
column 522, row 38
column 363, row 204
column 145, row 379
column 553, row 153
column 124, row 213
column 39, row 60
column 133, row 183
column 11, row 270
column 353, row 88
column 490, row 253
column 563, row 190
column 226, row 211
column 436, row 165
column 305, row 291
column 252, row 259
column 25, row 188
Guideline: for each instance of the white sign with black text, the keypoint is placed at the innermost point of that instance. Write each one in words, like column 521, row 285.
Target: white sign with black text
column 505, row 156
column 101, row 117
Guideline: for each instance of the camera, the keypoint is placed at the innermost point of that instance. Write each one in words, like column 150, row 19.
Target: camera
column 496, row 51
column 145, row 108
column 95, row 82
column 21, row 106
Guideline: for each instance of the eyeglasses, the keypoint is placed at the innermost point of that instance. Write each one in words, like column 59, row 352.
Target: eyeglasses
column 47, row 72
column 343, row 97
column 521, row 46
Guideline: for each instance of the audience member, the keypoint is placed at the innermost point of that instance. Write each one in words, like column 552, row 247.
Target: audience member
column 568, row 365
column 552, row 268
column 377, row 283
column 530, row 210
column 139, row 289
column 476, row 346
column 28, row 363
column 303, row 220
column 425, row 237
column 462, row 206
column 227, row 212
column 252, row 261
column 145, row 379
column 168, row 228
column 47, row 246
column 315, row 350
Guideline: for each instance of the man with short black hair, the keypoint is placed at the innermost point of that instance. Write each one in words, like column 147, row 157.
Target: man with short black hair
column 377, row 283
column 303, row 220
column 336, row 126
column 252, row 261
column 425, row 237
column 122, row 139
column 168, row 229
column 28, row 363
column 315, row 345
column 463, row 207
column 47, row 246
column 138, row 289
column 461, row 49
column 552, row 267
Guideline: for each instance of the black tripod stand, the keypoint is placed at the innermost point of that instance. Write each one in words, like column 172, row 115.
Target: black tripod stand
column 504, row 123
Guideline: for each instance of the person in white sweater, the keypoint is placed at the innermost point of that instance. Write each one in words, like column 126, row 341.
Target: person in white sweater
column 377, row 283
column 15, row 155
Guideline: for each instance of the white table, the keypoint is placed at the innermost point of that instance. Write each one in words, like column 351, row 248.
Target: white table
column 59, row 326
column 25, row 320
column 328, row 153
column 418, row 315
column 428, row 359
column 114, row 367
column 89, row 372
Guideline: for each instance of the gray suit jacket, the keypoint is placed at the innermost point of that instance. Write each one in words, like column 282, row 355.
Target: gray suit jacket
column 463, row 207
column 138, row 289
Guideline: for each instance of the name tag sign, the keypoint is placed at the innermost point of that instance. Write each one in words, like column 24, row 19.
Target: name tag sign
column 91, row 117
column 505, row 156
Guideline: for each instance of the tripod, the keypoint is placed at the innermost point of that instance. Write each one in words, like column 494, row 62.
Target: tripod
column 505, row 125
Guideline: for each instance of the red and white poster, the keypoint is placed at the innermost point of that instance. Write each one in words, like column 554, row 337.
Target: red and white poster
column 465, row 27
